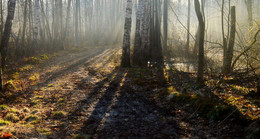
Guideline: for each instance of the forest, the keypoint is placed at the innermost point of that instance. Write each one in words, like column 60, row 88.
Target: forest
column 129, row 69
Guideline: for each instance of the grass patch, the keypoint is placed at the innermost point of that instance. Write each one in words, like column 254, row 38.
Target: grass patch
column 3, row 122
column 44, row 131
column 34, row 77
column 4, row 107
column 26, row 68
column 31, row 118
column 58, row 115
column 44, row 57
column 79, row 137
column 10, row 85
column 12, row 118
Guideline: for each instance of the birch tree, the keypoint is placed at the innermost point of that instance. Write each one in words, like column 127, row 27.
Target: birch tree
column 137, row 44
column 36, row 21
column 127, row 36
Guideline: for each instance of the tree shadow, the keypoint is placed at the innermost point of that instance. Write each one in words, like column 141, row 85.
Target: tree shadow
column 50, row 77
column 122, row 112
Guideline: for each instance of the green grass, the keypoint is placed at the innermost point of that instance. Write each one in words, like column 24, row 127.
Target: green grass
column 3, row 122
column 58, row 114
column 3, row 107
column 12, row 118
column 31, row 118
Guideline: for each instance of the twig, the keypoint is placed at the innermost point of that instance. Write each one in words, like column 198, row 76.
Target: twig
column 194, row 112
column 227, row 117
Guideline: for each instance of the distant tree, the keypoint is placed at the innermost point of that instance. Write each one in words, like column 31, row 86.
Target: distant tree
column 36, row 22
column 188, row 28
column 127, row 36
column 6, row 36
column 77, row 22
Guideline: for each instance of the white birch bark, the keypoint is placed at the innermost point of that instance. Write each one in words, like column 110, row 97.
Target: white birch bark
column 36, row 20
column 127, row 35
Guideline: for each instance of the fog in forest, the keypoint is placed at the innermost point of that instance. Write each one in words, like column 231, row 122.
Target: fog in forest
column 129, row 69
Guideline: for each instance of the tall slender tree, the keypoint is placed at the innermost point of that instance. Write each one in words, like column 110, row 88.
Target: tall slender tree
column 127, row 35
column 165, row 26
column 36, row 21
column 201, row 41
column 6, row 37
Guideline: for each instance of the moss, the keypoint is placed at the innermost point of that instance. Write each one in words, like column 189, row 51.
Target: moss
column 10, row 85
column 44, row 131
column 31, row 118
column 61, row 100
column 35, row 122
column 12, row 110
column 3, row 122
column 58, row 114
column 33, row 60
column 34, row 102
column 4, row 107
column 12, row 118
column 26, row 68
column 79, row 137
column 44, row 57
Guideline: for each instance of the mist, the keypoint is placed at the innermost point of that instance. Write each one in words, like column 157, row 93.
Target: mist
column 129, row 69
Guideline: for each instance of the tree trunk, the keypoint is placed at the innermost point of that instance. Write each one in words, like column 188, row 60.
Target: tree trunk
column 77, row 23
column 24, row 24
column 137, row 44
column 230, row 49
column 188, row 29
column 36, row 22
column 145, row 33
column 249, row 5
column 165, row 27
column 201, row 41
column 127, row 36
column 6, row 36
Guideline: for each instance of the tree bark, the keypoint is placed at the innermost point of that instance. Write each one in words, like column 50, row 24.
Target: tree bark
column 230, row 49
column 36, row 22
column 6, row 36
column 127, row 36
column 137, row 44
column 188, row 29
column 165, row 26
column 201, row 41
column 77, row 23
column 145, row 33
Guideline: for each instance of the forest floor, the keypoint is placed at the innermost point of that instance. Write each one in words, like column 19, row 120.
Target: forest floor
column 82, row 92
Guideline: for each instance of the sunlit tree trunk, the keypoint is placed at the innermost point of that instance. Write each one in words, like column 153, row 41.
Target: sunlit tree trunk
column 165, row 26
column 230, row 49
column 77, row 23
column 67, row 22
column 188, row 29
column 6, row 36
column 24, row 24
column 249, row 5
column 127, row 35
column 201, row 41
column 36, row 22
column 224, row 39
